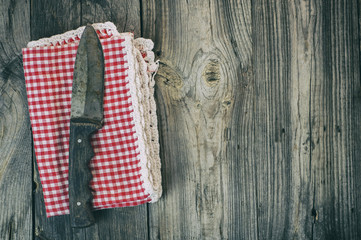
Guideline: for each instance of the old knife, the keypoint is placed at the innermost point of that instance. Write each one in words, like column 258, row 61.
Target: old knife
column 86, row 119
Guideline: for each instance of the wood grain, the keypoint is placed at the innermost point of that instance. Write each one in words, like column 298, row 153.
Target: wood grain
column 336, row 125
column 49, row 18
column 256, row 163
column 202, row 56
column 305, row 68
column 15, row 136
column 273, row 127
column 125, row 14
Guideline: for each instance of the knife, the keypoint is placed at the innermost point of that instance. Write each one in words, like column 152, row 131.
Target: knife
column 86, row 118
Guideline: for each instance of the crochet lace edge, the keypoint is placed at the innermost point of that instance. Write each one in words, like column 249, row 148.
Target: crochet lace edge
column 73, row 35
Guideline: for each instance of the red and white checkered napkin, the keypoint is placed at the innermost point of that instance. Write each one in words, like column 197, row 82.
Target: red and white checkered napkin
column 126, row 164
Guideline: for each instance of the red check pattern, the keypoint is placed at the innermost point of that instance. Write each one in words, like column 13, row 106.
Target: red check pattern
column 116, row 173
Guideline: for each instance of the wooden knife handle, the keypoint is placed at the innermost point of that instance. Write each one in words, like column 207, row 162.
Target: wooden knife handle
column 80, row 154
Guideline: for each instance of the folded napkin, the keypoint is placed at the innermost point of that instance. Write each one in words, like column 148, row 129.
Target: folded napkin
column 126, row 165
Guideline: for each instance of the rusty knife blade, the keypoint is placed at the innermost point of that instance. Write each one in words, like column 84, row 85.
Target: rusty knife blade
column 88, row 80
column 86, row 119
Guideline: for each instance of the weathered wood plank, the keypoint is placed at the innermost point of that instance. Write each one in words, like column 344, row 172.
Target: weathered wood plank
column 238, row 169
column 292, row 38
column 125, row 14
column 305, row 67
column 272, row 119
column 336, row 115
column 16, row 218
column 204, row 48
column 118, row 223
column 54, row 17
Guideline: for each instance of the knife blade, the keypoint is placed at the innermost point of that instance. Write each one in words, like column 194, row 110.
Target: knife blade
column 86, row 118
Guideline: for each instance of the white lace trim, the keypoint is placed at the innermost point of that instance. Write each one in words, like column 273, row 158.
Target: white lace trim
column 74, row 35
column 146, row 85
column 140, row 81
column 139, row 89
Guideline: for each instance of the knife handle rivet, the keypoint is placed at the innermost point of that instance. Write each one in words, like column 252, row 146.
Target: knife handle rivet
column 79, row 140
column 78, row 203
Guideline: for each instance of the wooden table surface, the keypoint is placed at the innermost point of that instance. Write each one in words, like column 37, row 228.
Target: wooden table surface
column 259, row 108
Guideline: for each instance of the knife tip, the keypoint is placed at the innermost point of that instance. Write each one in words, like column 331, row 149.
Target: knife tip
column 88, row 28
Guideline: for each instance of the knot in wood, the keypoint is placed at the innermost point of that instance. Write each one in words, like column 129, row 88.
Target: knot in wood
column 211, row 73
